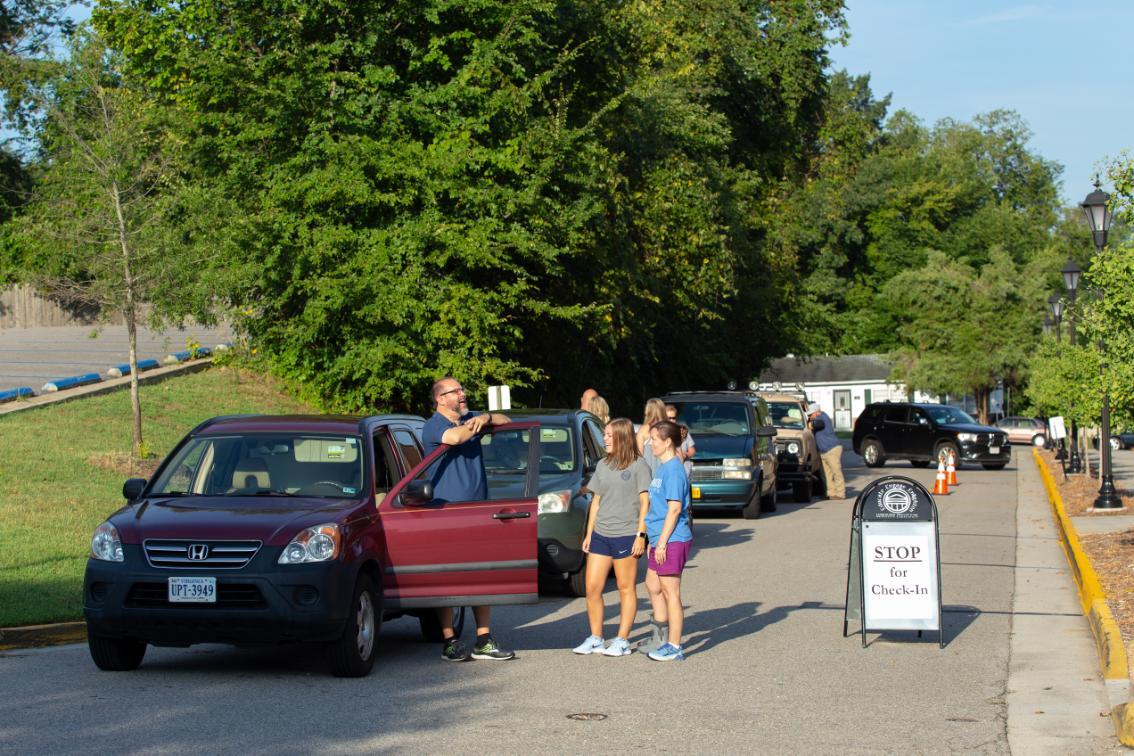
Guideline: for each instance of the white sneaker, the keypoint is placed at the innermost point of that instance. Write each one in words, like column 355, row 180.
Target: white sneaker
column 617, row 647
column 592, row 645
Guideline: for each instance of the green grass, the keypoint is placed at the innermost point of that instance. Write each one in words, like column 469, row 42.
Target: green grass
column 61, row 473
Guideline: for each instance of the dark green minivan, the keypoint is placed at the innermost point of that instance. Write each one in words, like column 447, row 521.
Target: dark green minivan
column 735, row 463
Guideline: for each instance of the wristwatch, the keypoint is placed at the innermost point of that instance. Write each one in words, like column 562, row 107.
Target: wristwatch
column 641, row 534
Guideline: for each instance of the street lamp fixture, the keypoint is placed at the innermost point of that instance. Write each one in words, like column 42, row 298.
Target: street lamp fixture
column 1097, row 209
column 1071, row 275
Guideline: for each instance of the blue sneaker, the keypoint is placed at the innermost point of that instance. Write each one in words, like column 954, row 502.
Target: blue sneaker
column 668, row 652
column 617, row 647
column 592, row 645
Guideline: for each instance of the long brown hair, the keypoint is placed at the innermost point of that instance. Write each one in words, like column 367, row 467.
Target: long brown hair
column 625, row 449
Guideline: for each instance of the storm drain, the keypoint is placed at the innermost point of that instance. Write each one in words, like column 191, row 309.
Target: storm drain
column 587, row 716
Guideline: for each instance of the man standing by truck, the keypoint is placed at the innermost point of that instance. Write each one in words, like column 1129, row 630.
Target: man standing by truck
column 830, row 451
column 460, row 477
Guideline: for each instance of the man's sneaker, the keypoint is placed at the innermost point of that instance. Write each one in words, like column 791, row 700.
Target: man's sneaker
column 668, row 652
column 617, row 647
column 454, row 650
column 592, row 645
column 491, row 652
column 656, row 639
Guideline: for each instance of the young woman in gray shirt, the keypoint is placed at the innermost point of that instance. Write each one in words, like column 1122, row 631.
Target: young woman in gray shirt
column 616, row 534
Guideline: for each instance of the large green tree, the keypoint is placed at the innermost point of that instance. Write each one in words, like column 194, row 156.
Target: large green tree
column 540, row 193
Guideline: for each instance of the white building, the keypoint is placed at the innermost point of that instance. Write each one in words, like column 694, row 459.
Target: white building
column 842, row 386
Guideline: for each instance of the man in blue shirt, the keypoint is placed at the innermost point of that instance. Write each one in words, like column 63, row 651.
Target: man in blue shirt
column 830, row 451
column 459, row 476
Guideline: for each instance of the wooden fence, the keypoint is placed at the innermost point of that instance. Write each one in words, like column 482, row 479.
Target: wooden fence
column 22, row 306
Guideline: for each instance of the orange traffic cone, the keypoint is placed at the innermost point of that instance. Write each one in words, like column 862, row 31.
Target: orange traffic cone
column 941, row 487
column 951, row 469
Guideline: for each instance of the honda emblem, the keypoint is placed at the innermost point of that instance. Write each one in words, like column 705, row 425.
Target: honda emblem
column 198, row 552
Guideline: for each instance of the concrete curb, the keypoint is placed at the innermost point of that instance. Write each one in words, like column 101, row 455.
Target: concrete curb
column 35, row 636
column 1108, row 640
column 103, row 387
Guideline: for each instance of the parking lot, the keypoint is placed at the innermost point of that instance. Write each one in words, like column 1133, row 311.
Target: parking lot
column 33, row 356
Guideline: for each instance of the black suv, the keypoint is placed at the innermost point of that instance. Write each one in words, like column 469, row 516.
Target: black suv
column 922, row 432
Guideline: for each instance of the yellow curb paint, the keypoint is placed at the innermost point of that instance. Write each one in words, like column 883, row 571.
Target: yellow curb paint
column 35, row 636
column 1108, row 639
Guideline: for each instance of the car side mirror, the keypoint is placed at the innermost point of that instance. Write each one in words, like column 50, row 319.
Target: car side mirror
column 417, row 493
column 133, row 488
column 767, row 431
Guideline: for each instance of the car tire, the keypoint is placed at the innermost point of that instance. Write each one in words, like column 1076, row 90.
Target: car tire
column 801, row 491
column 944, row 448
column 751, row 510
column 819, row 485
column 920, row 462
column 1039, row 441
column 1115, row 443
column 431, row 625
column 873, row 454
column 768, row 502
column 115, row 654
column 993, row 465
column 352, row 655
column 575, row 583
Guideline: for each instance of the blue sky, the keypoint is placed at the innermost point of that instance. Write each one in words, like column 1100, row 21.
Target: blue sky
column 1059, row 65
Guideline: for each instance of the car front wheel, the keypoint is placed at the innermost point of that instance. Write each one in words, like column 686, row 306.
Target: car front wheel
column 431, row 624
column 1115, row 443
column 1039, row 440
column 801, row 491
column 872, row 454
column 353, row 654
column 115, row 654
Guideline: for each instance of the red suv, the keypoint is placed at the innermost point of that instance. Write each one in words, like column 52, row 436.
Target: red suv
column 259, row 529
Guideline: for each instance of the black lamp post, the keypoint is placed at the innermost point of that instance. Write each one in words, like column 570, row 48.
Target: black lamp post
column 1051, row 324
column 1071, row 275
column 1096, row 208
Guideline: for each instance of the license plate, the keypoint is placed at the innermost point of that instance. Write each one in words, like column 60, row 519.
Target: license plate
column 994, row 450
column 198, row 590
column 696, row 492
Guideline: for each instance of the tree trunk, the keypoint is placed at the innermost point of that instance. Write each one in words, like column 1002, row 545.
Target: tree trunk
column 130, row 313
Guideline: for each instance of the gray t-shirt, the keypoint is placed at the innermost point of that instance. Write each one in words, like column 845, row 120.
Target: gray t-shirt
column 620, row 504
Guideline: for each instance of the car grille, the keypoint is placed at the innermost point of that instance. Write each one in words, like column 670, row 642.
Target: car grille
column 706, row 472
column 992, row 439
column 218, row 555
column 229, row 596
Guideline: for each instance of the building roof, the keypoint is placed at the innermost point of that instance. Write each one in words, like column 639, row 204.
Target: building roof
column 842, row 369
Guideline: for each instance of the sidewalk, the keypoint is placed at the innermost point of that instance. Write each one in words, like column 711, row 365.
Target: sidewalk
column 1057, row 700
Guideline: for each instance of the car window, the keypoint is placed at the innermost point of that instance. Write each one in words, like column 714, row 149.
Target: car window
column 942, row 413
column 411, row 449
column 505, row 457
column 786, row 415
column 593, row 449
column 264, row 465
column 721, row 418
column 896, row 414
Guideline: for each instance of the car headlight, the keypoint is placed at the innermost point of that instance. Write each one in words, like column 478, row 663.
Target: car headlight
column 320, row 543
column 554, row 502
column 106, row 545
column 967, row 437
column 793, row 447
column 736, row 475
column 737, row 462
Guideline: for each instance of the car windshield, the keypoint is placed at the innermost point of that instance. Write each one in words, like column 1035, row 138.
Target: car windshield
column 944, row 414
column 786, row 415
column 721, row 418
column 265, row 465
column 506, row 453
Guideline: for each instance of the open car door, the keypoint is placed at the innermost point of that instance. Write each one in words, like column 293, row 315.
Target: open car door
column 461, row 553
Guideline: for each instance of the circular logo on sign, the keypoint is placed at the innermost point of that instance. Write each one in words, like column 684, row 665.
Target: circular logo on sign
column 896, row 500
column 626, row 475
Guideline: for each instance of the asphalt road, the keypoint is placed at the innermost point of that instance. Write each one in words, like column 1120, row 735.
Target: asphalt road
column 34, row 356
column 768, row 670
